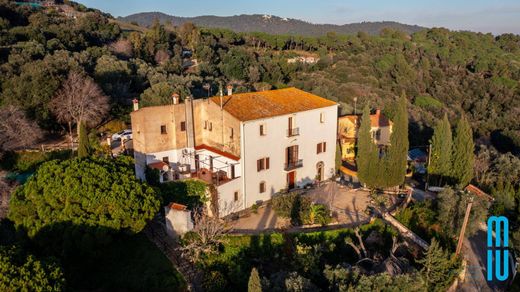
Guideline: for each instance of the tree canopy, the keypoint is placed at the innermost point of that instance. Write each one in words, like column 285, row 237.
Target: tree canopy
column 96, row 192
column 21, row 272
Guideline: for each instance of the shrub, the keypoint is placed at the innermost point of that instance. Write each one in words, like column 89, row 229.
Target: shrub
column 190, row 192
column 426, row 101
column 293, row 206
column 25, row 161
column 214, row 281
column 254, row 208
column 318, row 214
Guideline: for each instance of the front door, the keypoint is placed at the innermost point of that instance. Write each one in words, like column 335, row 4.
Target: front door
column 319, row 174
column 291, row 178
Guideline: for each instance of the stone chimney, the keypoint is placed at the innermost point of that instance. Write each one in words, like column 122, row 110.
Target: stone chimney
column 136, row 104
column 229, row 89
column 175, row 98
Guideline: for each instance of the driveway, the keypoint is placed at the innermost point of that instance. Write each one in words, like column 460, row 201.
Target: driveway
column 347, row 207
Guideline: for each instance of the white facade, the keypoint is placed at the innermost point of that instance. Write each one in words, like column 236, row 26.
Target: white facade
column 274, row 144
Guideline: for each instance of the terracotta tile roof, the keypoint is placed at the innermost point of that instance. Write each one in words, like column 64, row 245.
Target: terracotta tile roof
column 478, row 192
column 175, row 206
column 161, row 165
column 376, row 120
column 218, row 151
column 264, row 104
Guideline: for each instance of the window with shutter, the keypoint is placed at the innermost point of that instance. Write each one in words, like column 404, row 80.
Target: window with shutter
column 324, row 146
column 163, row 129
column 183, row 126
column 262, row 187
column 267, row 163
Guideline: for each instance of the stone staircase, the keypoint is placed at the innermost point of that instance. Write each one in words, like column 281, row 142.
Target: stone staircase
column 155, row 231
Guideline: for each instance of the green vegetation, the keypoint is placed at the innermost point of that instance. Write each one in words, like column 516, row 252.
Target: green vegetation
column 463, row 157
column 452, row 208
column 426, row 101
column 28, row 161
column 367, row 158
column 299, row 209
column 254, row 284
column 84, row 145
column 323, row 259
column 189, row 192
column 94, row 192
column 439, row 267
column 382, row 168
column 440, row 166
column 21, row 272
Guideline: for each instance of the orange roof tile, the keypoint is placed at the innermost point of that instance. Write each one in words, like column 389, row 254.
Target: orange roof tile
column 270, row 103
column 480, row 193
column 218, row 151
column 376, row 120
column 176, row 206
column 161, row 165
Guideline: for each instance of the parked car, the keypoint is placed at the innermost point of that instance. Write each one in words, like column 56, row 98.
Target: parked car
column 125, row 134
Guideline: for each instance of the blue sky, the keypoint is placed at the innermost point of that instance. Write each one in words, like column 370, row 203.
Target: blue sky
column 476, row 15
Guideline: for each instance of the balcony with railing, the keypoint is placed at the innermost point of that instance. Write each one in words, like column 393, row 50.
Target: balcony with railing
column 293, row 132
column 293, row 165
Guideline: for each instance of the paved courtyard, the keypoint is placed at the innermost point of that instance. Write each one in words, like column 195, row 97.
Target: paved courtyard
column 347, row 207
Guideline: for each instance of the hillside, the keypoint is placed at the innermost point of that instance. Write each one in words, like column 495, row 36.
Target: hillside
column 270, row 24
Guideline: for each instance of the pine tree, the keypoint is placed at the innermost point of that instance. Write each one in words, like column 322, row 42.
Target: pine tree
column 84, row 147
column 367, row 159
column 463, row 157
column 441, row 149
column 396, row 157
column 254, row 284
column 437, row 266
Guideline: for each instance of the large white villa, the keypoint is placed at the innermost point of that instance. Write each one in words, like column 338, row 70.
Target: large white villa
column 249, row 146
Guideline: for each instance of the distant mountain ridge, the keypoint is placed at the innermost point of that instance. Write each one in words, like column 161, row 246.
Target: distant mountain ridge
column 270, row 24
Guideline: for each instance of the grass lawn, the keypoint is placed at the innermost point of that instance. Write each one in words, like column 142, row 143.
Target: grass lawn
column 129, row 263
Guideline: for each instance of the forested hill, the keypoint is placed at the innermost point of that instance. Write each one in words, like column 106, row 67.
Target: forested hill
column 270, row 24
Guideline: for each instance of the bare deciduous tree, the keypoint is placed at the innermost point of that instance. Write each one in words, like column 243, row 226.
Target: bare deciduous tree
column 79, row 100
column 122, row 47
column 162, row 56
column 207, row 236
column 16, row 131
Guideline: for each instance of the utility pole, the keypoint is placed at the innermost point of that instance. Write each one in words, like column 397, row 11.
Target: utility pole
column 464, row 224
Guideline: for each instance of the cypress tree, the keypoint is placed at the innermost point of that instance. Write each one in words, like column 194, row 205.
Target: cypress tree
column 463, row 157
column 441, row 149
column 254, row 284
column 396, row 157
column 367, row 159
column 84, row 147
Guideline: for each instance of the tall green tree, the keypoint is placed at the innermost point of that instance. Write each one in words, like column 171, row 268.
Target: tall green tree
column 84, row 145
column 463, row 157
column 397, row 154
column 441, row 150
column 254, row 284
column 96, row 192
column 438, row 267
column 452, row 209
column 367, row 159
